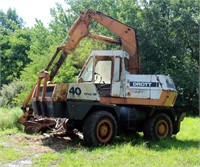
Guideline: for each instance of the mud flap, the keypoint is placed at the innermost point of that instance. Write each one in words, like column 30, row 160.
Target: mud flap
column 180, row 118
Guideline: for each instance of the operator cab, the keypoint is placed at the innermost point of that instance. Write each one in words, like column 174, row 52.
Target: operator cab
column 104, row 69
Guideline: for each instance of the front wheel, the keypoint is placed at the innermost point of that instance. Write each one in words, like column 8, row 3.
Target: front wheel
column 99, row 128
column 158, row 127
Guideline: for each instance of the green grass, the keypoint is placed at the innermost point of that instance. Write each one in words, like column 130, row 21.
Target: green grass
column 181, row 150
column 136, row 152
column 8, row 154
column 8, row 118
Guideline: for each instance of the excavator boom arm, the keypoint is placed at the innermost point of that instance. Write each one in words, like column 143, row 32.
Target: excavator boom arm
column 80, row 29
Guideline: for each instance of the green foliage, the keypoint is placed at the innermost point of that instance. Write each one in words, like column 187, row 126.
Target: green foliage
column 61, row 22
column 185, row 75
column 9, row 92
column 68, row 72
column 14, row 42
column 10, row 21
column 15, row 58
column 39, row 53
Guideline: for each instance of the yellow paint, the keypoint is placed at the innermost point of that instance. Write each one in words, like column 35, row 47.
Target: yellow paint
column 171, row 98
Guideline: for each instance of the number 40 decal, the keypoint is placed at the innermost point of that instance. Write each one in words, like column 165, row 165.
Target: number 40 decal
column 76, row 91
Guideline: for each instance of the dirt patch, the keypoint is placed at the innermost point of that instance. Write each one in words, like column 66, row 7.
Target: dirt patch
column 40, row 143
column 36, row 145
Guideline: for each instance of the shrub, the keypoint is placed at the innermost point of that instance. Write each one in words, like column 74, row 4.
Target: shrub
column 9, row 92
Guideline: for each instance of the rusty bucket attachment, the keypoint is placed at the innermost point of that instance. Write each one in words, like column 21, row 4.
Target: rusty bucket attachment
column 32, row 127
column 40, row 125
column 23, row 119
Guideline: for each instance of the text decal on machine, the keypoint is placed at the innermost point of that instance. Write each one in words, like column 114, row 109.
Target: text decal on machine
column 144, row 84
column 74, row 91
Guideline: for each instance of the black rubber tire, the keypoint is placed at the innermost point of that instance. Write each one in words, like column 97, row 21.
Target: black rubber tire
column 99, row 128
column 158, row 127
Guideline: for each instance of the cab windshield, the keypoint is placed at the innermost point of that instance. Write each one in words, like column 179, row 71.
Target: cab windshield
column 87, row 72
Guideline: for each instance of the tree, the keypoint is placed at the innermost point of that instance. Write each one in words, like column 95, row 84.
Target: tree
column 169, row 45
column 40, row 53
column 10, row 21
column 14, row 43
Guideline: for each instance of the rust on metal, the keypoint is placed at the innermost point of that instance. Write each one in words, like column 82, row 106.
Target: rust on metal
column 22, row 120
column 61, row 92
column 104, row 38
column 162, row 101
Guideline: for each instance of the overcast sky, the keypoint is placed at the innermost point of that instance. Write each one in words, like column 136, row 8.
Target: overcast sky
column 28, row 10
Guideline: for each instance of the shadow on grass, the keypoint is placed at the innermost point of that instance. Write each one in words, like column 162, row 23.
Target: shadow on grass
column 173, row 143
column 74, row 144
column 161, row 145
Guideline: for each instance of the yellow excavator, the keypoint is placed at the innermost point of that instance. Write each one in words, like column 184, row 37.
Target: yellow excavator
column 110, row 94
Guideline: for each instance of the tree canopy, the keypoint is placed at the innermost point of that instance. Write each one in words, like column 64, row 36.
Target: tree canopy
column 14, row 42
column 167, row 32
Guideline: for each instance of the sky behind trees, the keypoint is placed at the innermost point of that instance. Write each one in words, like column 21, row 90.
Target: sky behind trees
column 29, row 10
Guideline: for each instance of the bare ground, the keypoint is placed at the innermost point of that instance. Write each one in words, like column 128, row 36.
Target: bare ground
column 36, row 145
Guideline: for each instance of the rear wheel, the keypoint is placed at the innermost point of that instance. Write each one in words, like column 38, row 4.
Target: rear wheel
column 158, row 127
column 99, row 128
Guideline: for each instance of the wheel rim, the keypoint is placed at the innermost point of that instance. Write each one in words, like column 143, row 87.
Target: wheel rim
column 162, row 129
column 104, row 131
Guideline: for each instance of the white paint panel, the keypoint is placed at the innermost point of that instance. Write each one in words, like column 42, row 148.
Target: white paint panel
column 108, row 52
column 155, row 91
column 137, row 86
column 115, row 92
column 147, row 86
column 116, row 75
column 83, row 91
column 166, row 82
column 144, row 86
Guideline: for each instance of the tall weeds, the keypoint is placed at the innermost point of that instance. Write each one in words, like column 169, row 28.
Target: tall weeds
column 9, row 117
